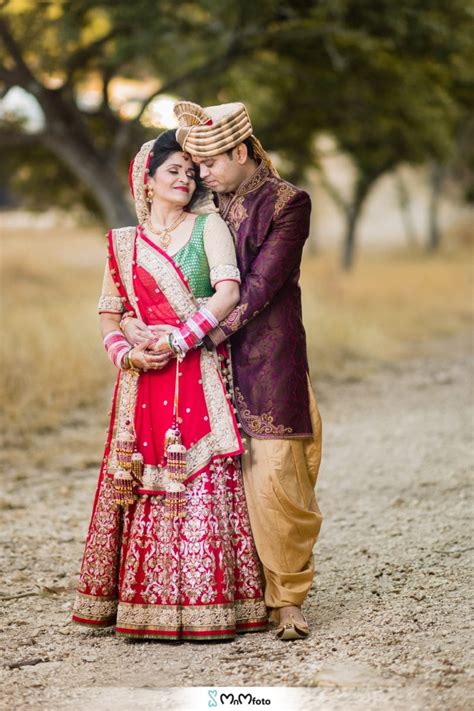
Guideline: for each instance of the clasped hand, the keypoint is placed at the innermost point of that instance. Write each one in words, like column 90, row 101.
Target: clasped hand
column 151, row 347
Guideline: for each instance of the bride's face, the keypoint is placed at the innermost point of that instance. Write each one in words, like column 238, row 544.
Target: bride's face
column 174, row 180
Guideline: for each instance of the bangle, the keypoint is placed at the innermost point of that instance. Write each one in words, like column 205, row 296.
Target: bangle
column 131, row 365
column 173, row 345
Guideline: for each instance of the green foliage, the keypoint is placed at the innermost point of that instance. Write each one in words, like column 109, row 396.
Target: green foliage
column 392, row 82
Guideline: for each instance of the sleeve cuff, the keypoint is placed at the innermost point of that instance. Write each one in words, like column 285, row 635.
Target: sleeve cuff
column 224, row 272
column 217, row 336
column 111, row 304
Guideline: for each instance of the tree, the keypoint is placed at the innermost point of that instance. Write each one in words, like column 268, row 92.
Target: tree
column 390, row 82
column 378, row 77
column 50, row 51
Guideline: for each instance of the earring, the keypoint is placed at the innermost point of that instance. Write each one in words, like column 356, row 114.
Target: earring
column 149, row 193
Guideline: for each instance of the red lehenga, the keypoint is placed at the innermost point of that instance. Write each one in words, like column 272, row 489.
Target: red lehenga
column 151, row 576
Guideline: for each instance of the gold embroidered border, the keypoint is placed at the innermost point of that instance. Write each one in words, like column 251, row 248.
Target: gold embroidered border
column 111, row 304
column 284, row 194
column 123, row 241
column 238, row 213
column 224, row 271
column 258, row 424
column 138, row 181
column 124, row 413
column 198, row 617
column 94, row 608
column 165, row 275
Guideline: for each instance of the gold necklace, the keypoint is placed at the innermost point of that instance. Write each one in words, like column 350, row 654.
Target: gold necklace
column 164, row 236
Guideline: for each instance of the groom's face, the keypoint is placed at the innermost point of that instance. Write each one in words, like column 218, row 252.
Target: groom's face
column 223, row 173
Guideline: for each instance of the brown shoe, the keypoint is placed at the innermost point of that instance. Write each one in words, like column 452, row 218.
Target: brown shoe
column 292, row 630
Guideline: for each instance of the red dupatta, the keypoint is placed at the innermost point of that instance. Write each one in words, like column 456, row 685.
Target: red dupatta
column 154, row 288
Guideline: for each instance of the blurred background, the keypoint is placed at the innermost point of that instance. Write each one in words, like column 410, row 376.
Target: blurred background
column 367, row 104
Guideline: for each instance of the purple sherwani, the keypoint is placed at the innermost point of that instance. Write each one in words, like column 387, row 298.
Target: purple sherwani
column 270, row 222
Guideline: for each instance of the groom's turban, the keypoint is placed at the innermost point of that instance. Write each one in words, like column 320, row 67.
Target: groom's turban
column 206, row 132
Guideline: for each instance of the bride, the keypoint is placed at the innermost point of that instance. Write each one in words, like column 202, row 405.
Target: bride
column 169, row 552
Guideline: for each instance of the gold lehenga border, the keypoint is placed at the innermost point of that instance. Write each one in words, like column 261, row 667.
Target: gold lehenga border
column 171, row 619
column 98, row 610
column 195, row 620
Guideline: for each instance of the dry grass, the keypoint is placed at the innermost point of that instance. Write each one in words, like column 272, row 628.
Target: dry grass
column 56, row 364
column 385, row 310
column 53, row 363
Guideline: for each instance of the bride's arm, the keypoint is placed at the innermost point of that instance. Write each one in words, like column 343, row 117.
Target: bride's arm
column 225, row 279
column 110, row 310
column 224, row 274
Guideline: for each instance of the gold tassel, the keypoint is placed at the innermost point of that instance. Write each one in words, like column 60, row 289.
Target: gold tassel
column 175, row 499
column 123, row 484
column 175, row 452
column 123, row 479
column 137, row 467
column 124, row 447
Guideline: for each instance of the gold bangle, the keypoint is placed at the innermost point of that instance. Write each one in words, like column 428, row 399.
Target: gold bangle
column 129, row 360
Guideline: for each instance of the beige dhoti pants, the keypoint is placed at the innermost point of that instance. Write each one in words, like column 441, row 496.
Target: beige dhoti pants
column 279, row 479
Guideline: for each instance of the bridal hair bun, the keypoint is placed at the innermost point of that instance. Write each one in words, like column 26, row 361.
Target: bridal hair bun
column 189, row 114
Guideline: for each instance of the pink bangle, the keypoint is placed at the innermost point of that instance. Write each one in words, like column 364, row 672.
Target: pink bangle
column 116, row 347
column 194, row 330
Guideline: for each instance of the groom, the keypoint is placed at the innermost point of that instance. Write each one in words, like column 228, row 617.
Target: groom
column 269, row 219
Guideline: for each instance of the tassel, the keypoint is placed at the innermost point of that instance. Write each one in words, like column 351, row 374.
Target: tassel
column 176, row 461
column 175, row 499
column 123, row 484
column 125, row 446
column 123, row 479
column 175, row 453
column 137, row 467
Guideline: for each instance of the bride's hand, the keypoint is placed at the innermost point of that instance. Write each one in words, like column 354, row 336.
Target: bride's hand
column 136, row 332
column 148, row 359
column 160, row 330
column 162, row 345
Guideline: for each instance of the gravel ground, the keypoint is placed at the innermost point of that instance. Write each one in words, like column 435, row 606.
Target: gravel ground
column 389, row 607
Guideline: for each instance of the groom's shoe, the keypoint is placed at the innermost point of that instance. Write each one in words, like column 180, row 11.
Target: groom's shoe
column 292, row 625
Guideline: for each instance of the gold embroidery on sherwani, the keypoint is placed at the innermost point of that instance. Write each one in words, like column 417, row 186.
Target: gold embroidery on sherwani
column 284, row 194
column 237, row 214
column 235, row 319
column 227, row 201
column 258, row 424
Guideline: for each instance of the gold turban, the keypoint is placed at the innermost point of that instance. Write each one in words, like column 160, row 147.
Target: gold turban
column 206, row 132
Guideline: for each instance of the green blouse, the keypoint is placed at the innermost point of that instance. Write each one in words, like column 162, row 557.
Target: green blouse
column 192, row 260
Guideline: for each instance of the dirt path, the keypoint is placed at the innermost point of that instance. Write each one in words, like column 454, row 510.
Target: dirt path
column 389, row 608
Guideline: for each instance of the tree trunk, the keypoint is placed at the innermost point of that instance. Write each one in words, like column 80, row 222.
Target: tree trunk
column 434, row 231
column 100, row 178
column 348, row 253
column 404, row 204
column 352, row 219
column 68, row 137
